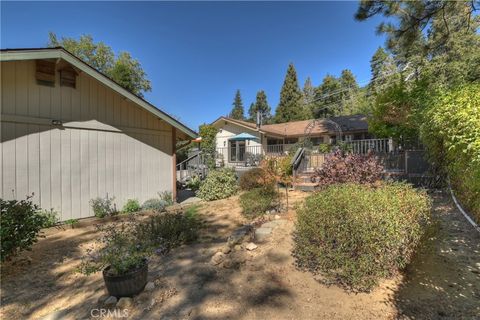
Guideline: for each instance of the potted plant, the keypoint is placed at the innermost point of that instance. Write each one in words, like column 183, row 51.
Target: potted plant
column 121, row 257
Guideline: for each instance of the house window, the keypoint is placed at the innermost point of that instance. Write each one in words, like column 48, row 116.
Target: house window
column 316, row 140
column 291, row 140
column 45, row 72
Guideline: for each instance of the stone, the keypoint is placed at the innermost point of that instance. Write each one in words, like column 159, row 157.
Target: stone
column 110, row 301
column 251, row 246
column 262, row 233
column 217, row 258
column 150, row 286
column 277, row 217
column 226, row 249
column 57, row 315
column 238, row 235
column 125, row 303
column 103, row 298
column 238, row 247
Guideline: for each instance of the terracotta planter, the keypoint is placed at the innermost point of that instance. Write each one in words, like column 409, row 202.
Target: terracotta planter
column 126, row 285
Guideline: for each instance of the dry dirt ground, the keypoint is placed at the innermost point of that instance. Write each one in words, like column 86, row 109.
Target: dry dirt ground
column 442, row 283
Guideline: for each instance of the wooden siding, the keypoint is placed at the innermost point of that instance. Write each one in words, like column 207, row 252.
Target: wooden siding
column 106, row 145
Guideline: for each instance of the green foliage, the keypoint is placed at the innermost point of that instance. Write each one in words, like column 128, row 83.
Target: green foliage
column 290, row 107
column 324, row 148
column 20, row 223
column 169, row 230
column 237, row 110
column 208, row 133
column 71, row 222
column 154, row 204
column 103, row 207
column 356, row 235
column 131, row 206
column 123, row 69
column 119, row 247
column 51, row 218
column 382, row 66
column 219, row 184
column 166, row 196
column 260, row 105
column 194, row 183
column 450, row 131
column 255, row 202
column 255, row 178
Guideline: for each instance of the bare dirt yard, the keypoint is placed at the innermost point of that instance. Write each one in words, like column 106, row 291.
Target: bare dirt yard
column 442, row 283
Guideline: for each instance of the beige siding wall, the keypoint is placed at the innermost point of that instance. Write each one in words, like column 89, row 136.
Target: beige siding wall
column 228, row 130
column 107, row 144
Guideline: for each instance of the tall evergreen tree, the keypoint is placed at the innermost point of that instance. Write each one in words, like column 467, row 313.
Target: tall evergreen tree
column 382, row 66
column 260, row 105
column 290, row 105
column 308, row 97
column 237, row 110
column 327, row 97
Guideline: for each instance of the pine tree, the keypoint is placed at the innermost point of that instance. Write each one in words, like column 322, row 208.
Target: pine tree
column 237, row 110
column 260, row 105
column 381, row 67
column 290, row 107
column 327, row 98
column 308, row 98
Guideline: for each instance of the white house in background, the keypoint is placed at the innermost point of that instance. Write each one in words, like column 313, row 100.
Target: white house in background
column 70, row 134
column 238, row 141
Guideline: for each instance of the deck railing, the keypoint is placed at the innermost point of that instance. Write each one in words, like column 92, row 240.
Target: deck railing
column 375, row 145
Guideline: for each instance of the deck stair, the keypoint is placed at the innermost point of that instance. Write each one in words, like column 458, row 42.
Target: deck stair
column 305, row 180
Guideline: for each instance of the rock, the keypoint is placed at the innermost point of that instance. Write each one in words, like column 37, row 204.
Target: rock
column 239, row 235
column 103, row 298
column 217, row 258
column 227, row 264
column 277, row 217
column 150, row 286
column 57, row 315
column 251, row 246
column 226, row 249
column 125, row 303
column 262, row 233
column 110, row 301
column 238, row 247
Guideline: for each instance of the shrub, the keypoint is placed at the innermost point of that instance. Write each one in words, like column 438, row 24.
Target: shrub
column 324, row 148
column 166, row 196
column 341, row 168
column 255, row 178
column 194, row 183
column 132, row 205
column 119, row 247
column 20, row 223
column 356, row 234
column 256, row 201
column 168, row 230
column 450, row 131
column 51, row 218
column 154, row 205
column 219, row 184
column 103, row 207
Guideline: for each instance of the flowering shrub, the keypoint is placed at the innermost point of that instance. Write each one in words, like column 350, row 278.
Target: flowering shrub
column 342, row 168
column 131, row 206
column 355, row 234
column 219, row 184
column 103, row 207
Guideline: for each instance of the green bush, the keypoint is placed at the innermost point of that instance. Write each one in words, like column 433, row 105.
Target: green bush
column 451, row 134
column 168, row 230
column 131, row 206
column 255, row 178
column 356, row 234
column 154, row 204
column 194, row 183
column 20, row 223
column 255, row 202
column 51, row 218
column 166, row 196
column 103, row 207
column 219, row 184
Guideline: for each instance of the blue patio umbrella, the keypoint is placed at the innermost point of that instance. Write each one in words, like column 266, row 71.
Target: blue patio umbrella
column 243, row 136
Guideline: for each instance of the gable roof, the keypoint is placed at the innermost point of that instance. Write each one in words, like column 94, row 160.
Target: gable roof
column 61, row 53
column 297, row 128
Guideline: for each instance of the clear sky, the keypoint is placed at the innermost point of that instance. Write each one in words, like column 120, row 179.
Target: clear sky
column 197, row 54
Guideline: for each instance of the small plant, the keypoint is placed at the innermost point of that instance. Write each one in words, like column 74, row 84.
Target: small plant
column 119, row 248
column 131, row 206
column 51, row 218
column 194, row 183
column 356, row 234
column 342, row 168
column 20, row 223
column 255, row 202
column 154, row 204
column 255, row 178
column 219, row 184
column 324, row 148
column 166, row 196
column 103, row 207
column 71, row 222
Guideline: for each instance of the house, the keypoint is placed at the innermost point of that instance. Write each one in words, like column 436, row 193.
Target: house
column 70, row 134
column 238, row 141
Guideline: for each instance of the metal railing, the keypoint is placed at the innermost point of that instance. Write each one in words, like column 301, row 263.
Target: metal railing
column 194, row 165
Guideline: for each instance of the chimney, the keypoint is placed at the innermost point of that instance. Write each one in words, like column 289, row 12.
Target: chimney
column 259, row 120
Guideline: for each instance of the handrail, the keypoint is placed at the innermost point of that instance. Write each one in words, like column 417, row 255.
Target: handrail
column 189, row 158
column 297, row 157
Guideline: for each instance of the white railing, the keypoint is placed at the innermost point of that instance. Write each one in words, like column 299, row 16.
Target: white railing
column 367, row 145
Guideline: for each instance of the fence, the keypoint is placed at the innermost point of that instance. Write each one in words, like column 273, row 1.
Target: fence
column 375, row 145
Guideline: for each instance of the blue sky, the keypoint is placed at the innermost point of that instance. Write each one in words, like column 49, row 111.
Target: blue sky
column 197, row 54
